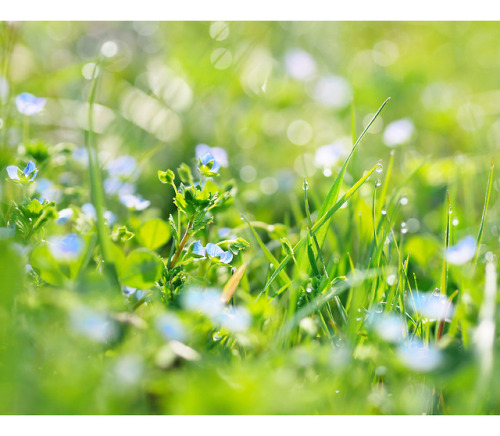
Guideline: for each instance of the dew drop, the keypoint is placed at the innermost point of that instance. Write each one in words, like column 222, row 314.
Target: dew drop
column 455, row 221
column 383, row 212
column 379, row 168
column 378, row 183
column 403, row 201
column 305, row 186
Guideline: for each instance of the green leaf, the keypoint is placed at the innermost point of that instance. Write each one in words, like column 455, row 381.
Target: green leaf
column 35, row 207
column 166, row 176
column 185, row 174
column 121, row 234
column 154, row 233
column 141, row 269
column 48, row 268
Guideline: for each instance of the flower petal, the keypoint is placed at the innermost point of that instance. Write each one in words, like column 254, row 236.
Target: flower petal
column 28, row 104
column 213, row 250
column 226, row 257
column 29, row 168
column 198, row 249
column 13, row 172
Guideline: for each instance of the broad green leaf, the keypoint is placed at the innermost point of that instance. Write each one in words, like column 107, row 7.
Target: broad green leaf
column 154, row 233
column 141, row 269
column 46, row 266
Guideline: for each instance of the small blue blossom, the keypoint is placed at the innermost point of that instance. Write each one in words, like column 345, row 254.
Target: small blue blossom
column 88, row 210
column 208, row 166
column 420, row 357
column 81, row 156
column 93, row 324
column 171, row 327
column 116, row 186
column 218, row 153
column 66, row 248
column 212, row 252
column 64, row 216
column 134, row 202
column 462, row 252
column 387, row 326
column 48, row 191
column 434, row 306
column 28, row 104
column 224, row 232
column 235, row 319
column 25, row 176
column 122, row 167
column 207, row 301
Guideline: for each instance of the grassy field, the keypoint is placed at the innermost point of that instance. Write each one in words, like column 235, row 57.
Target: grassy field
column 249, row 218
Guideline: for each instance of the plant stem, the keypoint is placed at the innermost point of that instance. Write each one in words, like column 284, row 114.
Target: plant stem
column 181, row 245
column 97, row 193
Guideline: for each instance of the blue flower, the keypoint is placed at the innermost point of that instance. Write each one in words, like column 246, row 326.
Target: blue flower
column 171, row 327
column 96, row 325
column 462, row 252
column 420, row 357
column 218, row 153
column 64, row 216
column 25, row 176
column 66, row 248
column 122, row 167
column 88, row 210
column 208, row 166
column 28, row 104
column 212, row 252
column 134, row 202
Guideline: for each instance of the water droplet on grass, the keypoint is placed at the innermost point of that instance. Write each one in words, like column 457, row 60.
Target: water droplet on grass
column 403, row 201
column 380, row 168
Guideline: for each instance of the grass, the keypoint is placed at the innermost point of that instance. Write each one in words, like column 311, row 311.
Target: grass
column 348, row 291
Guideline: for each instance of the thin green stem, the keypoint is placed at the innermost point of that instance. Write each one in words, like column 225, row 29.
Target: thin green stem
column 181, row 245
column 96, row 189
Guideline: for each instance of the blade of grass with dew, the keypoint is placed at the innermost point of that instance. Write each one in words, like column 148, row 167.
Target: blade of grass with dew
column 270, row 257
column 485, row 209
column 444, row 269
column 383, row 192
column 334, row 192
column 319, row 223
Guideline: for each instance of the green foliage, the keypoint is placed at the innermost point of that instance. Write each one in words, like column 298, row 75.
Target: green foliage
column 141, row 269
column 358, row 277
column 154, row 233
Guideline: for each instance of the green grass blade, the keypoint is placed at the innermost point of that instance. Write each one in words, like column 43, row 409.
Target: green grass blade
column 270, row 257
column 333, row 194
column 485, row 209
column 320, row 223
